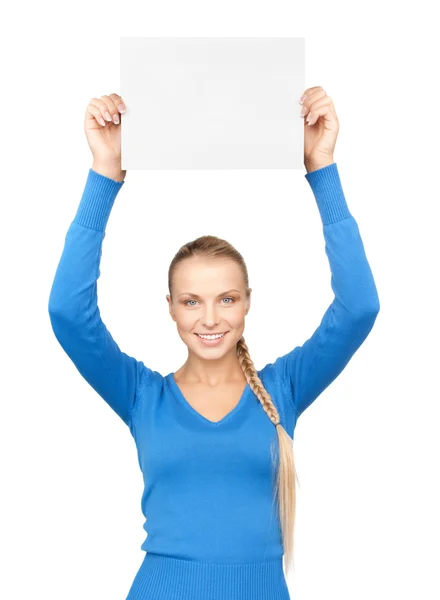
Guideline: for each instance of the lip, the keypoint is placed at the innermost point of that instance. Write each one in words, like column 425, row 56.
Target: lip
column 212, row 342
column 214, row 333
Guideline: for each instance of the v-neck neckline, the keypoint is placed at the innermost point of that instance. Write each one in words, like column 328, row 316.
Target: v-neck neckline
column 179, row 396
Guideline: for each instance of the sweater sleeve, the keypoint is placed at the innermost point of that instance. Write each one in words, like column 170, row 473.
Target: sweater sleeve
column 309, row 369
column 73, row 303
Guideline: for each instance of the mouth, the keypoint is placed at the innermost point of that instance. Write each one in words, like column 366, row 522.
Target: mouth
column 211, row 341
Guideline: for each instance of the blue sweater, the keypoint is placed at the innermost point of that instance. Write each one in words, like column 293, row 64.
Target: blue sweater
column 212, row 527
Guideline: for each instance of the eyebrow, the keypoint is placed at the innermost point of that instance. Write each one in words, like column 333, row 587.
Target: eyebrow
column 197, row 296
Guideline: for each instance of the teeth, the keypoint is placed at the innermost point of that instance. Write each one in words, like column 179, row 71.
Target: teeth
column 211, row 337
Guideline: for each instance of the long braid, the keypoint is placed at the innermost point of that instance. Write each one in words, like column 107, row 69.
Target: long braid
column 285, row 483
column 250, row 372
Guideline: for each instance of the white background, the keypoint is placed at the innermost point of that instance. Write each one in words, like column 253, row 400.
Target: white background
column 367, row 449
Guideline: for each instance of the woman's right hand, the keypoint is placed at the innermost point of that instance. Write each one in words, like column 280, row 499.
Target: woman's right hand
column 102, row 126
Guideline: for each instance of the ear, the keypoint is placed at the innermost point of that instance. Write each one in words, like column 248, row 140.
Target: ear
column 168, row 297
column 248, row 301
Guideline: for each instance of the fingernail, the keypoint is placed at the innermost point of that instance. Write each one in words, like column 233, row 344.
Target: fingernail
column 121, row 108
column 303, row 97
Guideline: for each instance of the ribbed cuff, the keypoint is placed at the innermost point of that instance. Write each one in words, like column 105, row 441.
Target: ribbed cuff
column 97, row 201
column 329, row 195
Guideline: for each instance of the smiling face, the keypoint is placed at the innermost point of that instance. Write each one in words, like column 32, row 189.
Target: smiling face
column 209, row 297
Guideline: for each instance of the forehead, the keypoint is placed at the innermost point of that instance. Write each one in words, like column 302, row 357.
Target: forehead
column 198, row 274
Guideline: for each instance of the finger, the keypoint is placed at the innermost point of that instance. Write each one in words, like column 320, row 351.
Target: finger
column 94, row 113
column 308, row 92
column 112, row 110
column 311, row 99
column 108, row 109
column 327, row 101
column 120, row 104
column 102, row 107
column 115, row 106
column 320, row 109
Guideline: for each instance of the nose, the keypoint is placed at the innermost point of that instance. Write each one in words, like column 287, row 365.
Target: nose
column 210, row 318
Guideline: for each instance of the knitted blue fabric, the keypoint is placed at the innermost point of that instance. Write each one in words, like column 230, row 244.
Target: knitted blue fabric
column 211, row 521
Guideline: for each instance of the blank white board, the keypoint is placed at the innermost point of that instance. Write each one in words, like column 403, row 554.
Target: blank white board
column 212, row 103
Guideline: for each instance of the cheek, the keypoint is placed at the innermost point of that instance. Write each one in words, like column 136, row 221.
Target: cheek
column 236, row 318
column 184, row 320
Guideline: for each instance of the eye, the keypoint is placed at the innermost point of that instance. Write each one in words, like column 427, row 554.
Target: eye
column 227, row 298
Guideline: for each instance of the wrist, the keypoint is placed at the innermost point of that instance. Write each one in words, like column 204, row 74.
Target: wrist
column 314, row 165
column 110, row 170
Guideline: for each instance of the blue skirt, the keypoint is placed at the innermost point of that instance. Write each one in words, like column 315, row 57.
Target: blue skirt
column 167, row 578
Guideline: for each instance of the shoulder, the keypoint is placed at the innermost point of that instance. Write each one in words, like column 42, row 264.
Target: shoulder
column 272, row 377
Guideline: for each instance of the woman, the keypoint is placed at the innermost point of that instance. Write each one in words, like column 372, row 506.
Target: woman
column 214, row 439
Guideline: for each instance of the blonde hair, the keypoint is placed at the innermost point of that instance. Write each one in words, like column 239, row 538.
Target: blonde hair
column 209, row 246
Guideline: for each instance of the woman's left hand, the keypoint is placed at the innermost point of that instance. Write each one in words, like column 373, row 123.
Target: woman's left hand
column 321, row 128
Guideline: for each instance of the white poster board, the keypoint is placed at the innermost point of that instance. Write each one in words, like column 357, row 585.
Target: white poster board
column 212, row 103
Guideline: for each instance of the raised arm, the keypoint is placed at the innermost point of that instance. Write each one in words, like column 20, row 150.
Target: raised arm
column 308, row 369
column 73, row 303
